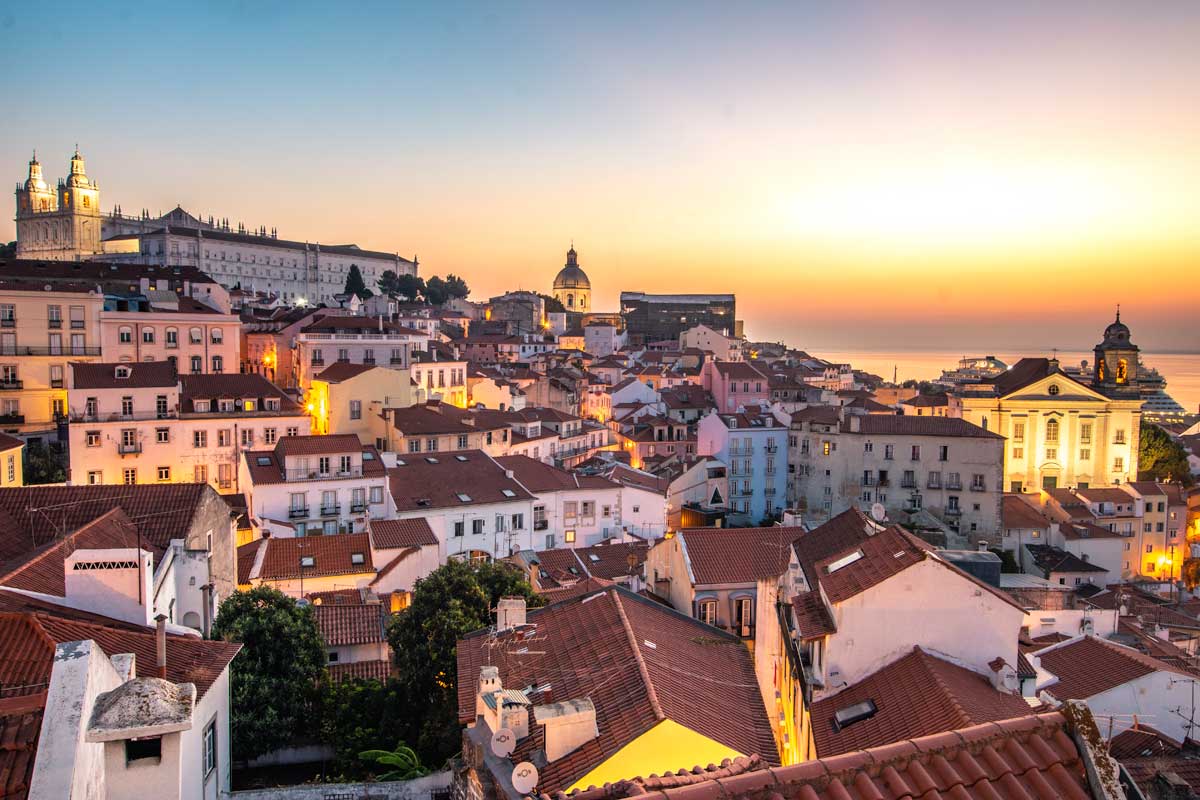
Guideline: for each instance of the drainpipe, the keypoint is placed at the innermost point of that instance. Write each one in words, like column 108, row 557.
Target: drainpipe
column 160, row 638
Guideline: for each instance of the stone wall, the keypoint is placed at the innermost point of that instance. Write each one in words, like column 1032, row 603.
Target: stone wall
column 419, row 789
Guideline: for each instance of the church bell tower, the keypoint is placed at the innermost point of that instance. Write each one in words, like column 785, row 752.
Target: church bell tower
column 1116, row 360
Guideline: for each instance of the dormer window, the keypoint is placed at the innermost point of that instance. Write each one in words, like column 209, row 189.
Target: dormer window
column 271, row 404
column 202, row 406
column 225, row 404
column 122, row 372
column 249, row 405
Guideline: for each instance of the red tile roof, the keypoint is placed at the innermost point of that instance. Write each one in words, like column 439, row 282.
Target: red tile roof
column 577, row 589
column 1086, row 666
column 332, row 555
column 737, row 555
column 360, row 670
column 1027, row 758
column 317, row 445
column 20, row 729
column 611, row 561
column 1016, row 513
column 247, row 554
column 812, row 616
column 538, row 476
column 142, row 374
column 233, row 385
column 916, row 695
column 351, row 624
column 41, row 569
column 418, row 483
column 30, row 629
column 909, row 425
column 391, row 533
column 10, row 442
column 645, row 663
column 267, row 466
column 343, row 371
column 1142, row 742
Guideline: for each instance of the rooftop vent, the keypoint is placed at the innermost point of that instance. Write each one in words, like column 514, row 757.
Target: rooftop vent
column 844, row 561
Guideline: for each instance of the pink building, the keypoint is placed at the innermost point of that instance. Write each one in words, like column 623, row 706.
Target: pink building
column 735, row 383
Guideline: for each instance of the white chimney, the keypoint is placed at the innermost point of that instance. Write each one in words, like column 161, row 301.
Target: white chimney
column 510, row 613
column 114, row 582
column 489, row 682
column 1003, row 676
column 569, row 725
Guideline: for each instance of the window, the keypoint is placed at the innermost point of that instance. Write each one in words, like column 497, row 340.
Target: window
column 125, row 335
column 1085, row 433
column 1119, row 436
column 269, row 436
column 462, row 441
column 889, row 452
column 323, row 465
column 977, row 483
column 476, row 526
column 56, row 376
column 1051, row 432
column 195, row 336
column 164, row 473
column 78, row 344
column 56, row 348
column 95, row 478
column 160, row 406
column 1018, row 431
column 298, row 501
column 146, row 749
column 93, row 438
column 706, row 612
column 126, row 406
column 218, row 336
column 588, row 508
column 1019, row 452
column 172, row 337
column 1149, row 548
column 129, row 476
column 197, row 365
column 916, row 452
column 210, row 748
column 1085, row 455
column 1118, row 464
column 1052, row 453
column 1053, row 388
column 54, row 316
column 376, row 494
column 147, row 335
column 200, row 473
column 293, row 431
column 570, row 509
column 247, row 437
column 199, row 439
column 344, row 465
column 218, row 364
column 162, row 435
column 569, row 536
column 414, row 445
column 223, row 437
column 356, row 409
column 518, row 522
column 459, row 528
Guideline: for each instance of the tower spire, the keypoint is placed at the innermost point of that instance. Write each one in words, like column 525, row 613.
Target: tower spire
column 1118, row 312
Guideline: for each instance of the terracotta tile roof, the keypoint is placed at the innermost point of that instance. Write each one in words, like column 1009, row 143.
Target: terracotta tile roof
column 351, row 624
column 41, row 569
column 1086, row 666
column 577, row 589
column 1055, row 559
column 419, row 483
column 142, row 374
column 390, row 533
column 317, row 445
column 611, row 561
column 32, row 627
column 1087, row 530
column 341, row 597
column 34, row 514
column 927, row 401
column 645, row 663
column 331, row 323
column 422, row 420
column 332, row 555
column 360, row 670
column 1142, row 742
column 10, row 442
column 234, row 385
column 909, row 425
column 247, row 554
column 1027, row 758
column 538, row 476
column 817, row 414
column 1016, row 513
column 20, row 729
column 812, row 616
column 916, row 695
column 737, row 555
column 340, row 371
column 267, row 466
column 1146, row 772
column 739, row 370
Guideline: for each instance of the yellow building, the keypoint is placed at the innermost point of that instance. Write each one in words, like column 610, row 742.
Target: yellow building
column 43, row 327
column 12, row 464
column 1060, row 431
column 348, row 398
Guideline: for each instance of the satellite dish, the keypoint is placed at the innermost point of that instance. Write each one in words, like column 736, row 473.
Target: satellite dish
column 878, row 512
column 524, row 777
column 302, row 602
column 503, row 742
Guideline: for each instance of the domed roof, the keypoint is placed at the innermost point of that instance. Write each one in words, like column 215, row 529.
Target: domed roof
column 571, row 276
column 1117, row 333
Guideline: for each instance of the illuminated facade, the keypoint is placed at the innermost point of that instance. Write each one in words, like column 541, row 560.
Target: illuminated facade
column 60, row 224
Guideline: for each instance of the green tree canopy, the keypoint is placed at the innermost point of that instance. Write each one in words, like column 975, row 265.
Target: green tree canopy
column 456, row 287
column 274, row 678
column 553, row 304
column 436, row 291
column 355, row 283
column 1161, row 458
column 447, row 604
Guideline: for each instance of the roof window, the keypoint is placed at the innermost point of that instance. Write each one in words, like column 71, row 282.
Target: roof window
column 307, row 561
column 356, row 558
column 263, row 461
column 845, row 717
column 466, row 498
column 844, row 561
column 508, row 493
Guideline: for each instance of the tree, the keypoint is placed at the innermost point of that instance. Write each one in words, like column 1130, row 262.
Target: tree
column 456, row 287
column 436, row 291
column 410, row 286
column 355, row 283
column 387, row 282
column 43, row 464
column 365, row 714
column 553, row 304
column 8, row 251
column 1161, row 458
column 1190, row 573
column 275, row 677
column 404, row 762
column 447, row 604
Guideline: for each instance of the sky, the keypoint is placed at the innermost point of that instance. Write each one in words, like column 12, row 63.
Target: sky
column 862, row 175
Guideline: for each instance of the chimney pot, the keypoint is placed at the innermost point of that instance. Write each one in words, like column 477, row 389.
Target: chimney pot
column 160, row 638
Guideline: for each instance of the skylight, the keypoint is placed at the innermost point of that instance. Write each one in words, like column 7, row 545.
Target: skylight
column 368, row 455
column 460, row 458
column 844, row 561
column 431, row 460
column 508, row 493
column 263, row 461
column 306, row 561
column 466, row 498
column 844, row 717
column 356, row 558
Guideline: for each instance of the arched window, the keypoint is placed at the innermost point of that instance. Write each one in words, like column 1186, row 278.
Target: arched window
column 195, row 336
column 125, row 334
column 172, row 335
column 218, row 336
column 1122, row 370
column 1052, row 431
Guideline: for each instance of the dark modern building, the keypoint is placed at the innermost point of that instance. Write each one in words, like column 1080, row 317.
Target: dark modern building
column 655, row 317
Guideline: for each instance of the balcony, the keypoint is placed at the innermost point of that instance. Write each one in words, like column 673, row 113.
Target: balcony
column 49, row 351
column 54, row 324
column 12, row 419
column 77, row 324
column 8, row 322
column 978, row 487
column 317, row 362
column 772, row 448
column 735, row 450
column 128, row 449
column 298, row 513
column 954, row 486
column 541, row 524
column 395, row 360
column 331, row 511
column 225, row 484
column 368, row 362
column 11, row 385
column 908, row 483
column 953, row 511
column 934, row 483
column 317, row 475
column 358, row 508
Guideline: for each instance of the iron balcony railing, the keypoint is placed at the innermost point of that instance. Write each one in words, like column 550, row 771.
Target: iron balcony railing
column 10, row 350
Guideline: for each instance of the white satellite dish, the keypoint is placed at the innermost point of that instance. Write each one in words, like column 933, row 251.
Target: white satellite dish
column 503, row 742
column 524, row 777
column 878, row 512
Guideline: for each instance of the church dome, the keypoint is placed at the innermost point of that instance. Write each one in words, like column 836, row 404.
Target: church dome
column 571, row 276
column 1117, row 333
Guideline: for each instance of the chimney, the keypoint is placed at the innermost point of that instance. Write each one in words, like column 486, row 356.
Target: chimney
column 160, row 639
column 1003, row 676
column 206, row 611
column 569, row 725
column 855, row 423
column 510, row 613
column 489, row 683
column 115, row 582
column 982, row 546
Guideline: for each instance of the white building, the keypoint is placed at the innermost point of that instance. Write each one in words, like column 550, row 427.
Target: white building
column 141, row 422
column 308, row 485
column 358, row 340
column 702, row 337
column 943, row 465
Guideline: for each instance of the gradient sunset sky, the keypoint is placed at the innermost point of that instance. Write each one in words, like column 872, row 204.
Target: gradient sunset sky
column 862, row 175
